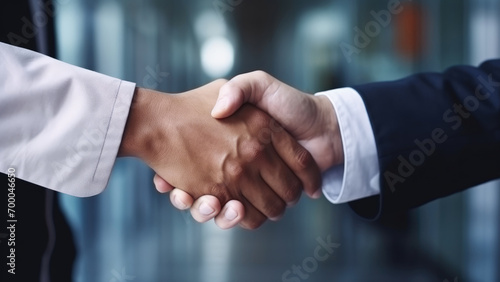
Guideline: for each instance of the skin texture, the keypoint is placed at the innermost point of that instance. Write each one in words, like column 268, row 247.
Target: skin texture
column 310, row 119
column 246, row 158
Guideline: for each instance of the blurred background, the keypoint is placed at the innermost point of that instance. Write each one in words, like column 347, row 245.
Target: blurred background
column 131, row 233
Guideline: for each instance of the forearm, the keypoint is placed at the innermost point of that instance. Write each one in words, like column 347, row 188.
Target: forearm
column 436, row 134
column 61, row 125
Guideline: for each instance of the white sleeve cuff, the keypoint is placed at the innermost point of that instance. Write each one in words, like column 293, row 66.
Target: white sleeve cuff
column 358, row 177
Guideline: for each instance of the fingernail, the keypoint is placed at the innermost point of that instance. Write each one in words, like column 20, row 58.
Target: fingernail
column 220, row 106
column 179, row 203
column 205, row 209
column 292, row 204
column 230, row 214
column 276, row 218
column 317, row 194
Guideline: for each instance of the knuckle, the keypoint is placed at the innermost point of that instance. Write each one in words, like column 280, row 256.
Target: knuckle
column 265, row 135
column 303, row 158
column 252, row 150
column 235, row 170
column 274, row 208
column 261, row 75
column 275, row 126
column 293, row 193
column 220, row 191
column 258, row 119
column 253, row 223
column 262, row 119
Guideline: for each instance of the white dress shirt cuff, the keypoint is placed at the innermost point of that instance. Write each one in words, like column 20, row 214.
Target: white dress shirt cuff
column 358, row 177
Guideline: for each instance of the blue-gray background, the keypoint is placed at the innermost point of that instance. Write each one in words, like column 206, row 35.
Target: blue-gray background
column 131, row 233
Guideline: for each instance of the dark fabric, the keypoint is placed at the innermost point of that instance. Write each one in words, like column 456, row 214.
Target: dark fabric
column 37, row 209
column 33, row 204
column 436, row 134
column 20, row 28
column 11, row 22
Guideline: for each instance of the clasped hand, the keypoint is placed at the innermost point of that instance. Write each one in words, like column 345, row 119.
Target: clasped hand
column 246, row 161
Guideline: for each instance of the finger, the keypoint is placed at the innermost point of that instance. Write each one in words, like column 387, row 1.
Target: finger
column 205, row 208
column 232, row 213
column 180, row 199
column 281, row 179
column 250, row 87
column 161, row 184
column 299, row 160
column 253, row 218
column 264, row 199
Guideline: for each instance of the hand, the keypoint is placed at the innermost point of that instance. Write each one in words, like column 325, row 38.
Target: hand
column 244, row 157
column 310, row 119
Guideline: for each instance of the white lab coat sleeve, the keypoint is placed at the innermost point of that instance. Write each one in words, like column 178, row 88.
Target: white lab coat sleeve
column 61, row 125
column 358, row 177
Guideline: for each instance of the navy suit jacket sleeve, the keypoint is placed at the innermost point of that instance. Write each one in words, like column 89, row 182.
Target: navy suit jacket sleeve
column 436, row 134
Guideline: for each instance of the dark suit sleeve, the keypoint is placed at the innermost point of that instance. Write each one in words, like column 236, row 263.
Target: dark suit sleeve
column 436, row 134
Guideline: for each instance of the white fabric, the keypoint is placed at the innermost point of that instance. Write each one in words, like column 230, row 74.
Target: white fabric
column 61, row 125
column 358, row 177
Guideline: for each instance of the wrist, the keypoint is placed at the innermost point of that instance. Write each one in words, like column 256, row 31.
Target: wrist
column 330, row 129
column 139, row 133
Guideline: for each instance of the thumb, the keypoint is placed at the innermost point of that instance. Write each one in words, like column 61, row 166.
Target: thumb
column 244, row 88
column 230, row 99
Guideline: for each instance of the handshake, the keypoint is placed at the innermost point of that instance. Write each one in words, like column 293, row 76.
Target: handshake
column 239, row 151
